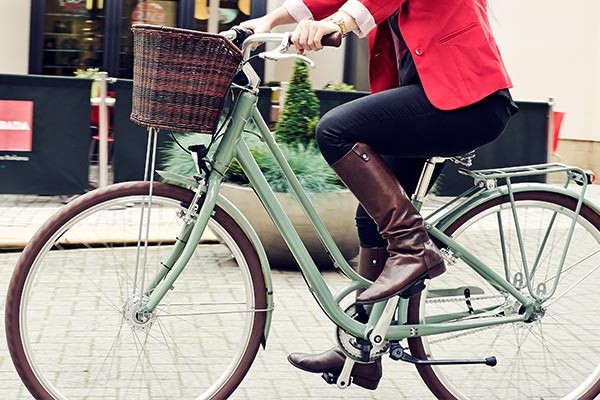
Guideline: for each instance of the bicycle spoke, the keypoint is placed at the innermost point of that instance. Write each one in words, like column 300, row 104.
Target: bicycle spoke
column 177, row 350
column 565, row 271
column 109, row 355
column 555, row 299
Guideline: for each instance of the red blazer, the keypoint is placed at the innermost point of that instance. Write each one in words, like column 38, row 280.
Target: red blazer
column 451, row 43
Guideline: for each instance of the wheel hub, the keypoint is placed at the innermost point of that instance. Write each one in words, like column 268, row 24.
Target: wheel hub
column 135, row 316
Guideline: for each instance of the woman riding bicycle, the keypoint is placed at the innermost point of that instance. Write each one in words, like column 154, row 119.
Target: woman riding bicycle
column 439, row 88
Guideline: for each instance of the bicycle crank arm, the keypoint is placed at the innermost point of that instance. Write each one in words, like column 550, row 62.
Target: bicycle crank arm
column 397, row 353
column 342, row 380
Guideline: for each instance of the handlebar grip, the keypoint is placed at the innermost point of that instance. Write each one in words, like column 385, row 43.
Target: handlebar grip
column 241, row 34
column 332, row 40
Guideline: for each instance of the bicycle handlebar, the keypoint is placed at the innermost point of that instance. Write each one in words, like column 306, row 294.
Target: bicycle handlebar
column 247, row 39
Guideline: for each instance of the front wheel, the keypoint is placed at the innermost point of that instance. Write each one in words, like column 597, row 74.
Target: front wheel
column 70, row 321
column 555, row 356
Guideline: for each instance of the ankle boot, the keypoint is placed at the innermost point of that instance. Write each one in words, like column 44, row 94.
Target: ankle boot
column 413, row 256
column 370, row 264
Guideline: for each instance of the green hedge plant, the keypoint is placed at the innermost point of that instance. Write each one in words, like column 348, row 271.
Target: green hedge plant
column 306, row 161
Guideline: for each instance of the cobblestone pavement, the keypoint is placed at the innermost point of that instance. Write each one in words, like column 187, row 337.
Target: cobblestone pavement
column 298, row 325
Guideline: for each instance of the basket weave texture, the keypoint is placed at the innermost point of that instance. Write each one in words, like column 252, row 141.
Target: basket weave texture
column 181, row 78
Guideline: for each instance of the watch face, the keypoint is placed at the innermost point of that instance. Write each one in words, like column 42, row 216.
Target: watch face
column 339, row 21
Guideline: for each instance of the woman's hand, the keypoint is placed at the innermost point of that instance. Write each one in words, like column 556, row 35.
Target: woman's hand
column 308, row 34
column 258, row 25
column 264, row 24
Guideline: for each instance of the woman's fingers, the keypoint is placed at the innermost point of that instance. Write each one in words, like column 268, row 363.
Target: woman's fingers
column 257, row 25
column 308, row 35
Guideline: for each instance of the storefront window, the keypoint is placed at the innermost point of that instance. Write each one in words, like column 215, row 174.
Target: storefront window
column 229, row 12
column 73, row 36
column 154, row 12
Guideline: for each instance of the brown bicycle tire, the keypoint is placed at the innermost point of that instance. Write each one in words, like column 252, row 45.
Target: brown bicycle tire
column 24, row 264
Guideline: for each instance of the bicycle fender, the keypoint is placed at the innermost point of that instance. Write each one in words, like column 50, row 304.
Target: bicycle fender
column 499, row 191
column 243, row 222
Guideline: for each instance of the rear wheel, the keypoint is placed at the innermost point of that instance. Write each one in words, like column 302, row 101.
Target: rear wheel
column 70, row 308
column 553, row 357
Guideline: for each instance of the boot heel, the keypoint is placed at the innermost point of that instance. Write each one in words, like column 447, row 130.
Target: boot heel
column 436, row 270
column 365, row 383
column 418, row 287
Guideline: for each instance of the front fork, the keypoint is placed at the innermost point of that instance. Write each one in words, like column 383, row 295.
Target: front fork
column 184, row 248
column 194, row 227
column 189, row 218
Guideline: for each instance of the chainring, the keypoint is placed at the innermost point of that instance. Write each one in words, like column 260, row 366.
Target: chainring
column 351, row 345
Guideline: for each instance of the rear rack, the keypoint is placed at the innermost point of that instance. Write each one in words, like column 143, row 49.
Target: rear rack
column 487, row 179
column 488, row 176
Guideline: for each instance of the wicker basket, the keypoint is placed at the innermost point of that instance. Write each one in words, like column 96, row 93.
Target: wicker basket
column 181, row 78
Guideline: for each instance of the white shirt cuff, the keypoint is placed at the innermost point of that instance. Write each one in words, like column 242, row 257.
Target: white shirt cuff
column 298, row 10
column 361, row 15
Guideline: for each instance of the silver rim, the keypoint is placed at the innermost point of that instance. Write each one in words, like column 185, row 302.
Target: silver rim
column 552, row 358
column 73, row 314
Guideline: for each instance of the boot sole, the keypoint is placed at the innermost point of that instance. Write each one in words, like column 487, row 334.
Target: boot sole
column 331, row 378
column 368, row 384
column 406, row 291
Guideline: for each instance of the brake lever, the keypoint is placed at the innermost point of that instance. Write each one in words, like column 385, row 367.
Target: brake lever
column 276, row 56
column 278, row 53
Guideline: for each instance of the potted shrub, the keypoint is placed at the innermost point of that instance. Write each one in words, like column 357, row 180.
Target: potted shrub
column 336, row 93
column 295, row 135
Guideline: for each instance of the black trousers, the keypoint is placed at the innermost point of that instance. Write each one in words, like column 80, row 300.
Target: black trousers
column 406, row 129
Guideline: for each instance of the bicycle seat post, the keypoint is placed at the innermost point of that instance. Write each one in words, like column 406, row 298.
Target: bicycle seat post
column 424, row 180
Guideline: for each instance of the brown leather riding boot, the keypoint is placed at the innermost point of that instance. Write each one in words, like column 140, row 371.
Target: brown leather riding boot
column 370, row 264
column 332, row 362
column 413, row 256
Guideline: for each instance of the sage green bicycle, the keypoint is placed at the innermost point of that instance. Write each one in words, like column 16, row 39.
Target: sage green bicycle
column 154, row 290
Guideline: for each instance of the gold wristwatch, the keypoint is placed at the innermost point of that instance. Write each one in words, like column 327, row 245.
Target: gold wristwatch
column 339, row 21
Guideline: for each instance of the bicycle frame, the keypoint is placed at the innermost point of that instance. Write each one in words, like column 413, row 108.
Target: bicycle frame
column 232, row 145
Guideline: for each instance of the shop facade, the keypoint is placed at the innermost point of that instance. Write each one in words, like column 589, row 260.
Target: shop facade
column 67, row 36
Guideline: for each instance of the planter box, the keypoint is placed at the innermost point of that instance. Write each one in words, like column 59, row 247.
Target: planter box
column 329, row 99
column 336, row 209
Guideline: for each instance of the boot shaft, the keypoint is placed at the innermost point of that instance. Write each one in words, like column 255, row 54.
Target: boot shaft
column 376, row 187
column 371, row 261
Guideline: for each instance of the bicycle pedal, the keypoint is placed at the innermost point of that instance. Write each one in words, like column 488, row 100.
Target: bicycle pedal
column 414, row 289
column 330, row 378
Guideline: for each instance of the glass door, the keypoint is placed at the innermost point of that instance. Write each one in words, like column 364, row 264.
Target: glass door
column 154, row 12
column 219, row 15
column 72, row 36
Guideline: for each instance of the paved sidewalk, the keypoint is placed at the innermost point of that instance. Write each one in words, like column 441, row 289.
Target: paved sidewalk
column 298, row 325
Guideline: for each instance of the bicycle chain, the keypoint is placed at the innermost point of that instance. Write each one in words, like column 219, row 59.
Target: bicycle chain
column 470, row 331
column 462, row 299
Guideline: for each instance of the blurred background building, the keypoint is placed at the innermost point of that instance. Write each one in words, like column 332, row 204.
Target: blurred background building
column 552, row 49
